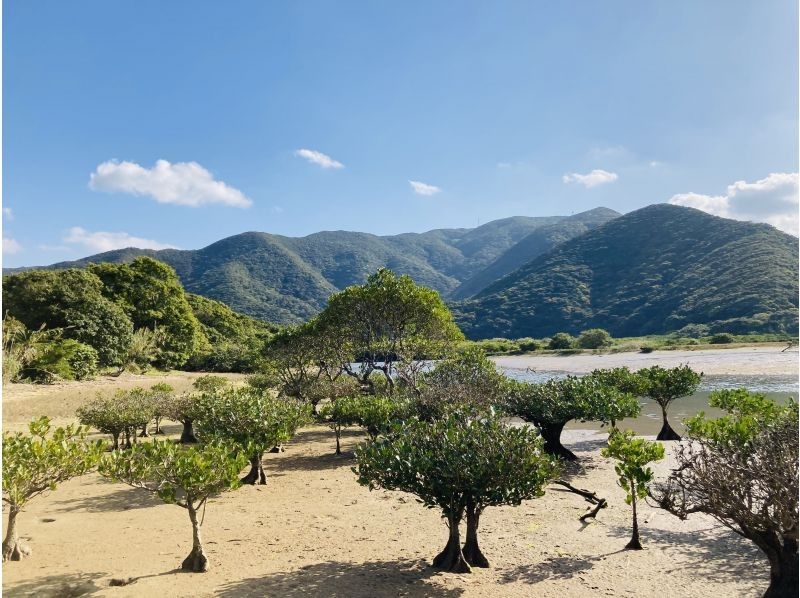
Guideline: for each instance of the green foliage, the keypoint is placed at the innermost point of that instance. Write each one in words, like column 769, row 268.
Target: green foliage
column 388, row 325
column 65, row 359
column 71, row 300
column 561, row 340
column 375, row 413
column 723, row 338
column 36, row 462
column 664, row 385
column 126, row 413
column 632, row 455
column 467, row 381
column 594, row 338
column 178, row 475
column 210, row 383
column 151, row 295
column 654, row 270
column 143, row 350
column 622, row 379
column 449, row 461
column 253, row 420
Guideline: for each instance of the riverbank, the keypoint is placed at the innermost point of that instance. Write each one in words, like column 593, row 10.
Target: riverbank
column 753, row 360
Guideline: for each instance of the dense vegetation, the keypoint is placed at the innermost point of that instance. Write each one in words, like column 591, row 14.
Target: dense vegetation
column 655, row 270
column 68, row 323
column 288, row 280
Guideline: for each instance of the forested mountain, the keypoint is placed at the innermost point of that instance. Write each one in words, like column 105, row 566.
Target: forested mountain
column 540, row 241
column 654, row 270
column 284, row 279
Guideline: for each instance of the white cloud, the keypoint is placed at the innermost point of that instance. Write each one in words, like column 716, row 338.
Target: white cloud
column 591, row 179
column 277, row 209
column 104, row 241
column 423, row 188
column 504, row 164
column 773, row 200
column 8, row 214
column 182, row 183
column 318, row 158
column 11, row 246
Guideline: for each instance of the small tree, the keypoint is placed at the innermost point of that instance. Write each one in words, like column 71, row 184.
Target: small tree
column 375, row 413
column 36, row 463
column 161, row 398
column 550, row 406
column 119, row 416
column 339, row 414
column 468, row 380
column 186, row 477
column 742, row 469
column 181, row 408
column 664, row 385
column 210, row 383
column 625, row 381
column 632, row 455
column 594, row 338
column 256, row 421
column 458, row 464
column 560, row 341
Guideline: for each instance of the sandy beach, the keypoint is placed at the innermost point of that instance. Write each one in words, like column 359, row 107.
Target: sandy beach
column 313, row 531
column 766, row 360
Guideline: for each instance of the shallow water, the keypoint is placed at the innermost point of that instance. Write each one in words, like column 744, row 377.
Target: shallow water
column 777, row 387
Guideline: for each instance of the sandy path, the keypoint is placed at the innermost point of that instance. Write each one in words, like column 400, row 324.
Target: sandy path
column 770, row 360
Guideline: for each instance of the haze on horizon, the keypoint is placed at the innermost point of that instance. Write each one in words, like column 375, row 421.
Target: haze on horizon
column 157, row 126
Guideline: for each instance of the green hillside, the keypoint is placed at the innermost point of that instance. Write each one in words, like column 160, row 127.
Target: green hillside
column 654, row 270
column 540, row 241
column 286, row 280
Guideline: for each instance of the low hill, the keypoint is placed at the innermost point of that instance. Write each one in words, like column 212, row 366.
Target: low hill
column 651, row 271
column 540, row 241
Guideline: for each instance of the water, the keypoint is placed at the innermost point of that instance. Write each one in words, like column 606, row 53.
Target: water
column 777, row 387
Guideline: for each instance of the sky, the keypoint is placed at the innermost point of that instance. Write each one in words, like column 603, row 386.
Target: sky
column 176, row 124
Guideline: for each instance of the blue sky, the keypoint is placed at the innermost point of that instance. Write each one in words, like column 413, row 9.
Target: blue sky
column 192, row 116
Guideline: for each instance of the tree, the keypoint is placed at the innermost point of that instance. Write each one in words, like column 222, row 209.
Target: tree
column 375, row 413
column 458, row 464
column 182, row 409
column 178, row 475
column 550, row 406
column 256, row 421
column 161, row 398
column 210, row 383
column 664, row 385
column 594, row 338
column 388, row 325
column 152, row 296
column 742, row 469
column 121, row 415
column 561, row 341
column 625, row 381
column 467, row 380
column 72, row 300
column 632, row 455
column 143, row 350
column 36, row 463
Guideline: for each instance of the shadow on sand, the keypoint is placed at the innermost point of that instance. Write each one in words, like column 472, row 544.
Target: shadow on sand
column 69, row 585
column 345, row 580
column 123, row 498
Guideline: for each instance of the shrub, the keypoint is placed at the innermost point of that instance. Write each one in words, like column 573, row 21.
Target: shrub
column 723, row 338
column 528, row 344
column 594, row 338
column 375, row 413
column 664, row 385
column 561, row 340
column 121, row 415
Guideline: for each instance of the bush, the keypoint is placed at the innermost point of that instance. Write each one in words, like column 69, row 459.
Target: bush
column 594, row 338
column 65, row 359
column 561, row 340
column 528, row 344
column 124, row 414
column 723, row 338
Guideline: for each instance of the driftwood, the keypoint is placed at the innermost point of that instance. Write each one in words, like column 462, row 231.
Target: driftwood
column 589, row 496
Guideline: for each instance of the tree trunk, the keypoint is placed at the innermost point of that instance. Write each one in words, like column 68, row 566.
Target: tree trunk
column 127, row 443
column 13, row 548
column 256, row 474
column 115, row 443
column 278, row 448
column 472, row 552
column 666, row 433
column 783, row 574
column 196, row 561
column 552, row 441
column 634, row 544
column 143, row 433
column 187, row 436
column 338, row 431
column 452, row 558
column 158, row 426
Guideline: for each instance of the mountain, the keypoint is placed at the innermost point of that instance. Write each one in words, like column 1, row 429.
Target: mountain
column 651, row 271
column 540, row 241
column 286, row 279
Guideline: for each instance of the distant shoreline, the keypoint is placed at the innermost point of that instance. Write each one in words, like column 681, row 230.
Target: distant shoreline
column 770, row 360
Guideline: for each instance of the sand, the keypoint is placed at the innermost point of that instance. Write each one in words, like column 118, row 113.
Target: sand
column 745, row 361
column 313, row 531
